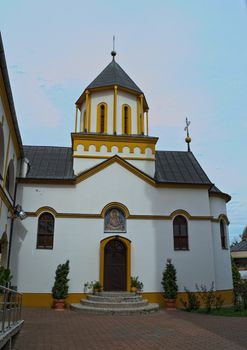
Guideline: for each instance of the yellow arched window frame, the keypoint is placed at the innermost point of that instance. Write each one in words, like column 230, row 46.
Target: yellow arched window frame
column 102, row 118
column 126, row 119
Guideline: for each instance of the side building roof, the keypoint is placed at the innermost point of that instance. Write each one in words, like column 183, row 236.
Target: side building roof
column 47, row 162
column 172, row 167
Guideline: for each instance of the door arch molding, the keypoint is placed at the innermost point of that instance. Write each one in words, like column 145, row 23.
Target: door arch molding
column 127, row 244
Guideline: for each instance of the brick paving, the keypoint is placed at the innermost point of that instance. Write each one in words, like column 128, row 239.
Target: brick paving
column 46, row 329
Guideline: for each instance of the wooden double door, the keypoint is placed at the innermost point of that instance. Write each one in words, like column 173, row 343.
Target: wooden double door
column 115, row 266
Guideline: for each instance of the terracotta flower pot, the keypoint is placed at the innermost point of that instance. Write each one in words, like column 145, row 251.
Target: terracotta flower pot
column 170, row 304
column 59, row 304
column 133, row 289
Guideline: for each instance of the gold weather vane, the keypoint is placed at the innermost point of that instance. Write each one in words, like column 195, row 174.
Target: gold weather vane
column 188, row 138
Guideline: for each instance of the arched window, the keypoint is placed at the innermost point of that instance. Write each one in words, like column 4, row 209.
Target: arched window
column 10, row 179
column 115, row 220
column 3, row 249
column 223, row 235
column 1, row 151
column 45, row 231
column 126, row 119
column 180, row 233
column 102, row 118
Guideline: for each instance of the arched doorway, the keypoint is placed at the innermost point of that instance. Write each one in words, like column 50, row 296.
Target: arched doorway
column 115, row 266
column 115, row 263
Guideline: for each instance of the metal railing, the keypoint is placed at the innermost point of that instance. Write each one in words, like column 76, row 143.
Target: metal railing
column 10, row 308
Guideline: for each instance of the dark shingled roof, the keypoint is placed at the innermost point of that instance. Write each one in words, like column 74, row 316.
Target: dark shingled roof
column 240, row 247
column 179, row 167
column 4, row 70
column 113, row 74
column 47, row 162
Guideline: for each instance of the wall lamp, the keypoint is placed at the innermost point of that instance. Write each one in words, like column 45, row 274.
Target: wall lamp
column 19, row 213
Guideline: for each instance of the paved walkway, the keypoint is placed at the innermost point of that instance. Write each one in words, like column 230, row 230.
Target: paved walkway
column 46, row 329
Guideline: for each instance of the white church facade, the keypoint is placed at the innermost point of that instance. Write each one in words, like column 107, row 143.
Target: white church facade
column 111, row 204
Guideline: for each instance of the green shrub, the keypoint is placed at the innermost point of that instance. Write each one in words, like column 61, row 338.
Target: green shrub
column 61, row 287
column 192, row 303
column 5, row 276
column 169, row 281
column 208, row 296
column 135, row 283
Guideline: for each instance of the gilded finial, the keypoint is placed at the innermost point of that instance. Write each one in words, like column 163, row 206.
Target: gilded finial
column 187, row 138
column 113, row 53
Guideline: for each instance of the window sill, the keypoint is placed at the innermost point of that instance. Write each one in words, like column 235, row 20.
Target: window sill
column 181, row 250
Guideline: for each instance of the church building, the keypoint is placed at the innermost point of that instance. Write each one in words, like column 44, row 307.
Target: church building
column 112, row 204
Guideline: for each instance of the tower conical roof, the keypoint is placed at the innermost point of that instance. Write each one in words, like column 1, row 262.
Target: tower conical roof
column 113, row 74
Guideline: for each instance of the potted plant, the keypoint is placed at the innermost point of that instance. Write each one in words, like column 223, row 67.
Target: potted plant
column 61, row 287
column 97, row 287
column 169, row 284
column 135, row 284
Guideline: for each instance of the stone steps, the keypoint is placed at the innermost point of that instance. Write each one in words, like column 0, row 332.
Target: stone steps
column 115, row 311
column 117, row 299
column 111, row 303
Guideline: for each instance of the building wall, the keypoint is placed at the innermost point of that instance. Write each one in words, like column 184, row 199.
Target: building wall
column 78, row 239
column 6, row 198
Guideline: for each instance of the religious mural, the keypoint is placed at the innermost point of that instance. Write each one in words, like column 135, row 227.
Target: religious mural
column 115, row 221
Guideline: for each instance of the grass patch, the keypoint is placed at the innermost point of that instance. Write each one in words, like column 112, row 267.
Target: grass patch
column 226, row 311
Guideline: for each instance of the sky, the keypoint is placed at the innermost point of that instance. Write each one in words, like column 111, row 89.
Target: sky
column 189, row 57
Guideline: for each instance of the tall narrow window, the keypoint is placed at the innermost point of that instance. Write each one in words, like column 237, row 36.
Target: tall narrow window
column 10, row 179
column 126, row 131
column 180, row 233
column 223, row 235
column 126, row 119
column 45, row 231
column 102, row 118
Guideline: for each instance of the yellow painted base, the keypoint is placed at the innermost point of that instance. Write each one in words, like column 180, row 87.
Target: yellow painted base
column 45, row 299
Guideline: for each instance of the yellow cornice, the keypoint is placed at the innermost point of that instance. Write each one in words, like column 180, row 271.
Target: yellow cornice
column 8, row 115
column 114, row 138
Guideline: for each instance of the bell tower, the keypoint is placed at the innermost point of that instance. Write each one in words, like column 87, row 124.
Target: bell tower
column 112, row 118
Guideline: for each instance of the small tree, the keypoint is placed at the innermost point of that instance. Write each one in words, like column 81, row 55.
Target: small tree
column 61, row 287
column 169, row 281
column 236, row 279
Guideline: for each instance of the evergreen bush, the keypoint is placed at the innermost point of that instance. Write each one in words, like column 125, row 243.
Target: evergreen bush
column 61, row 287
column 169, row 281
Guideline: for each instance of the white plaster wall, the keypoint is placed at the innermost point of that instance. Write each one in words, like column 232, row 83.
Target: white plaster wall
column 147, row 167
column 217, row 206
column 82, row 164
column 152, row 240
column 222, row 259
column 5, row 221
column 112, row 184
